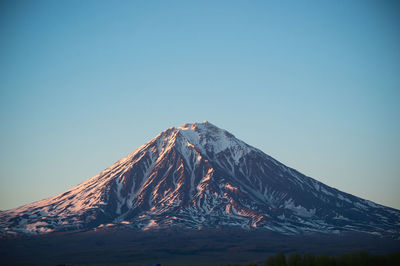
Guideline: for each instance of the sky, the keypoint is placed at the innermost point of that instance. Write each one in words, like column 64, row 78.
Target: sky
column 314, row 84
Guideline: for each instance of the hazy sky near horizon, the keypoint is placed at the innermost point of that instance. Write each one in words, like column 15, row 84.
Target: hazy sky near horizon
column 315, row 84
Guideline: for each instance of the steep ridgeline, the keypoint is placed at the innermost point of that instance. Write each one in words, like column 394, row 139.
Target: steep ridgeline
column 199, row 176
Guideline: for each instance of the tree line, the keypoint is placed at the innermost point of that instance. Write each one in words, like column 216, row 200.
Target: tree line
column 353, row 259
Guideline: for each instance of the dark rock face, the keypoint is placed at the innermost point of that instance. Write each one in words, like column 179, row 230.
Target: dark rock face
column 199, row 176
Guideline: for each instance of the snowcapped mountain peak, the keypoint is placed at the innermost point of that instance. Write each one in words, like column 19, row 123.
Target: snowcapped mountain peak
column 209, row 138
column 204, row 127
column 198, row 175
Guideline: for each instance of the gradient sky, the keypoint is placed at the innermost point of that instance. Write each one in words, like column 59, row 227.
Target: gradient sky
column 315, row 84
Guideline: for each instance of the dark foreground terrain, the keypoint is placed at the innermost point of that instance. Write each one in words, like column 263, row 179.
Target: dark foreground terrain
column 352, row 259
column 178, row 247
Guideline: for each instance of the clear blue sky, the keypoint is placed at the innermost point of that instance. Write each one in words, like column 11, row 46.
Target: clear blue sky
column 314, row 84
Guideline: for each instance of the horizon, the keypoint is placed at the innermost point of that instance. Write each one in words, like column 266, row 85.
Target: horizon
column 315, row 86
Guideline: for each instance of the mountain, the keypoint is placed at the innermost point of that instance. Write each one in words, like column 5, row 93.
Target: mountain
column 200, row 176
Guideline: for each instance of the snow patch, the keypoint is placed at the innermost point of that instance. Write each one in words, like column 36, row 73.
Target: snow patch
column 152, row 224
column 299, row 210
column 344, row 198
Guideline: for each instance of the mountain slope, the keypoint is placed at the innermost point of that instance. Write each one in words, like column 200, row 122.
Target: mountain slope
column 196, row 176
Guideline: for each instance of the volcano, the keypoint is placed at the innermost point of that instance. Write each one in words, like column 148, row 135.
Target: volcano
column 199, row 176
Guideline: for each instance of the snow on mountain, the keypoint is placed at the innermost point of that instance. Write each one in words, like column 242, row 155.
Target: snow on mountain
column 195, row 176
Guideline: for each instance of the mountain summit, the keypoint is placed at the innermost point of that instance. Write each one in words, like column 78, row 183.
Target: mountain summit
column 200, row 176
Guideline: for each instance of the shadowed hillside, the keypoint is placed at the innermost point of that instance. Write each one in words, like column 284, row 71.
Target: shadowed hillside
column 179, row 247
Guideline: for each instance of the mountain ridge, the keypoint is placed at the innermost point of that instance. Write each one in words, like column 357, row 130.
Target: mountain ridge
column 200, row 176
